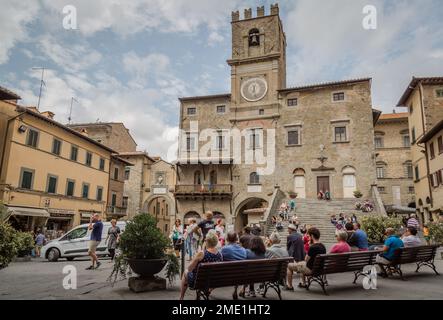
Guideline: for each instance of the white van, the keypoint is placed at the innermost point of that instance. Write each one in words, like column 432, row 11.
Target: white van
column 75, row 243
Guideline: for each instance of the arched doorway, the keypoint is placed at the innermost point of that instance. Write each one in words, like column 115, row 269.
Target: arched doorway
column 161, row 208
column 300, row 183
column 189, row 215
column 349, row 182
column 249, row 212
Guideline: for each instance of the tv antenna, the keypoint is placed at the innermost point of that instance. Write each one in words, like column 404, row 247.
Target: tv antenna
column 42, row 83
column 70, row 109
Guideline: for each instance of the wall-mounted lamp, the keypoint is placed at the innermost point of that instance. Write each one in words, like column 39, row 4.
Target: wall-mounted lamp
column 22, row 128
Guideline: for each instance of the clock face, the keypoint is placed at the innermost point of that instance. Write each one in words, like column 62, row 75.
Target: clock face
column 254, row 89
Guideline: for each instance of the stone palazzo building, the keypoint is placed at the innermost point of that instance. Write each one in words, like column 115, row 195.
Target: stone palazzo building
column 302, row 139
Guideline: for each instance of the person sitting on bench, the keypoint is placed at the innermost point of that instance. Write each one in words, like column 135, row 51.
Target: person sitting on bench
column 392, row 243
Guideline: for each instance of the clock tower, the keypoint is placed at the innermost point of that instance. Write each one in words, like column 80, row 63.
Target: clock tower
column 258, row 63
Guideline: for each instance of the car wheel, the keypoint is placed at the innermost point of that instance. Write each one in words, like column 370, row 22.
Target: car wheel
column 70, row 258
column 53, row 255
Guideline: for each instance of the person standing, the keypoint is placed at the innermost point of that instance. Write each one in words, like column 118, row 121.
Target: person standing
column 113, row 238
column 413, row 222
column 39, row 242
column 177, row 237
column 295, row 247
column 220, row 230
column 205, row 225
column 96, row 226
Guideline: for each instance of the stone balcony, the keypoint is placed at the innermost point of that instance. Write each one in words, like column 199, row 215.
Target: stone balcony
column 206, row 190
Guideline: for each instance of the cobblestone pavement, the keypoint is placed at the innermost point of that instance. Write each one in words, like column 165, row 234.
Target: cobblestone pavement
column 39, row 279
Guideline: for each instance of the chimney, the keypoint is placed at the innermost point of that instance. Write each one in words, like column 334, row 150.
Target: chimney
column 48, row 114
column 261, row 11
column 274, row 9
column 248, row 13
column 84, row 132
column 235, row 15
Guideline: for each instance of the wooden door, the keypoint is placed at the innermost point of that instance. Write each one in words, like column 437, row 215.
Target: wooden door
column 323, row 184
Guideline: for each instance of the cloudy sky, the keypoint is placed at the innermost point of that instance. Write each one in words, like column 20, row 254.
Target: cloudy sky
column 129, row 60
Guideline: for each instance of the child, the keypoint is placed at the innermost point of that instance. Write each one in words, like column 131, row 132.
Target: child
column 426, row 234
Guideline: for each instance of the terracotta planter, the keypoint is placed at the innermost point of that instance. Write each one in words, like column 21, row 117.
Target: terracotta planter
column 147, row 268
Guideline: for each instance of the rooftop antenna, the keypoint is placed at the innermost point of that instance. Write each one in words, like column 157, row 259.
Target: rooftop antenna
column 42, row 83
column 70, row 109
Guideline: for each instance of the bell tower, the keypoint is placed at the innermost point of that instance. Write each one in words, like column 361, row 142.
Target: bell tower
column 258, row 63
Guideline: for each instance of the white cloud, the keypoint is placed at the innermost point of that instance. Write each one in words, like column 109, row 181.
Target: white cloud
column 14, row 18
column 215, row 38
column 326, row 39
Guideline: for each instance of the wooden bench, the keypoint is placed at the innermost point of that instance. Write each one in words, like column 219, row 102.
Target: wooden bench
column 270, row 272
column 420, row 255
column 325, row 264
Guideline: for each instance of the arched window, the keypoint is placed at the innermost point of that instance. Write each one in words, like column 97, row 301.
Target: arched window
column 254, row 37
column 197, row 178
column 254, row 178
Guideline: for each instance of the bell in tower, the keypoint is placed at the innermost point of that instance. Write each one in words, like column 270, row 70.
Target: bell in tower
column 254, row 37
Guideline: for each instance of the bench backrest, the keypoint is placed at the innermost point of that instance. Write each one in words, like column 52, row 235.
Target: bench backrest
column 343, row 262
column 414, row 254
column 225, row 274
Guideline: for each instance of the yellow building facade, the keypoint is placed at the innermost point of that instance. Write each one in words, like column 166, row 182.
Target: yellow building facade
column 51, row 176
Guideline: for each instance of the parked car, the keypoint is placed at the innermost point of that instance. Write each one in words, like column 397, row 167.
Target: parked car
column 75, row 243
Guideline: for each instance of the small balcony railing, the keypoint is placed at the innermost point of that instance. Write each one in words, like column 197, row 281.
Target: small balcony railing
column 203, row 190
column 120, row 211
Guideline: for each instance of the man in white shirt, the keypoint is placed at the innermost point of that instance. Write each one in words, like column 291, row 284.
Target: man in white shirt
column 410, row 238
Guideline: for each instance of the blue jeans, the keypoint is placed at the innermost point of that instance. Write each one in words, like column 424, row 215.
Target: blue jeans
column 188, row 246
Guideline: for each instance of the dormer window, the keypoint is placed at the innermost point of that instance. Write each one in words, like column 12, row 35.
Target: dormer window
column 254, row 37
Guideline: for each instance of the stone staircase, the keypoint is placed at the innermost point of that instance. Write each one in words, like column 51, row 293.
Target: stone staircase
column 318, row 213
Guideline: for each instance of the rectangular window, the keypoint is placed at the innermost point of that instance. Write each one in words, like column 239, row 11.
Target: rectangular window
column 417, row 173
column 52, row 184
column 114, row 200
column 27, row 179
column 261, row 112
column 99, row 193
column 439, row 93
column 125, row 202
column 127, row 173
column 292, row 102
column 74, row 153
column 409, row 171
column 254, row 139
column 88, row 159
column 431, row 150
column 85, row 191
column 440, row 144
column 221, row 109
column 338, row 96
column 190, row 143
column 378, row 142
column 380, row 172
column 32, row 139
column 115, row 173
column 293, row 137
column 340, row 134
column 192, row 111
column 56, row 146
column 70, row 187
column 102, row 164
column 381, row 189
column 413, row 135
column 406, row 141
column 220, row 142
column 411, row 189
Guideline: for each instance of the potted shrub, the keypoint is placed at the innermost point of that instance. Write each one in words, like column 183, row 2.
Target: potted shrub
column 8, row 245
column 25, row 243
column 358, row 194
column 375, row 227
column 143, row 250
column 436, row 232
